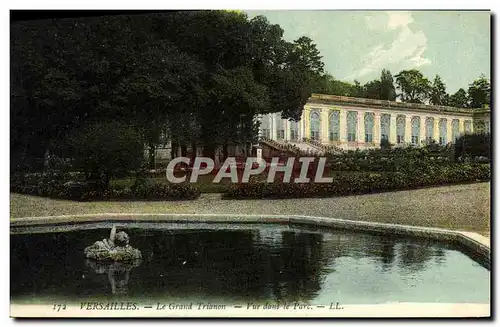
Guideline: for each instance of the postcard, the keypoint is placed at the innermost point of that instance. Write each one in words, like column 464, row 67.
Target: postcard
column 231, row 163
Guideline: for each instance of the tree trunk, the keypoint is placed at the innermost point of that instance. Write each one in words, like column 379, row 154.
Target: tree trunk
column 209, row 150
column 194, row 149
column 225, row 152
column 152, row 156
column 183, row 150
column 173, row 150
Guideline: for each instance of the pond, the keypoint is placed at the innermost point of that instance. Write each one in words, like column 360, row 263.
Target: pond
column 237, row 263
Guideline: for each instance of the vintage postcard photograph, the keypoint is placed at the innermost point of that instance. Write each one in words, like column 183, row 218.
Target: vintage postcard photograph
column 242, row 163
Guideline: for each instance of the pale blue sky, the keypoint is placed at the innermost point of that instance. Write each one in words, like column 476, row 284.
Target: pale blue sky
column 359, row 44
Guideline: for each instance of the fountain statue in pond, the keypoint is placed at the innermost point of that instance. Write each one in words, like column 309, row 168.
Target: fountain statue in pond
column 116, row 248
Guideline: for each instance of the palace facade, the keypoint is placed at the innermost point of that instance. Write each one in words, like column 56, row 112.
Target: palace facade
column 350, row 123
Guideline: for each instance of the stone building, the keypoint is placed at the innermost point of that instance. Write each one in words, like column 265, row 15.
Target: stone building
column 362, row 123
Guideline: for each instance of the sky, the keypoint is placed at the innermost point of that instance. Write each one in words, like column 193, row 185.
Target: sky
column 359, row 44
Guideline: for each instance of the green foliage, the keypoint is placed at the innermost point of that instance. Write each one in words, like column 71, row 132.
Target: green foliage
column 459, row 99
column 438, row 95
column 349, row 184
column 473, row 145
column 104, row 150
column 71, row 186
column 385, row 144
column 479, row 92
column 414, row 87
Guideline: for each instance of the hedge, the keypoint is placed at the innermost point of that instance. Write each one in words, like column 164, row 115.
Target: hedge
column 351, row 184
column 72, row 186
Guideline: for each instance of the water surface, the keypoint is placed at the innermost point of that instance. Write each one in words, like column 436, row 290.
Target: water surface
column 259, row 263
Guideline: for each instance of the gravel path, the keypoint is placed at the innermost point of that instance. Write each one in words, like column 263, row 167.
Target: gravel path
column 464, row 207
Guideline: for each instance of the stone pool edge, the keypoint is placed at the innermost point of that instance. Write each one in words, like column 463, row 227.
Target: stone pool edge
column 471, row 241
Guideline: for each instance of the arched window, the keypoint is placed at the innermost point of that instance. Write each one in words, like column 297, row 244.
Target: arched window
column 442, row 131
column 280, row 126
column 265, row 126
column 415, row 130
column 385, row 126
column 315, row 125
column 455, row 130
column 429, row 130
column 468, row 126
column 352, row 124
column 334, row 126
column 294, row 130
column 400, row 129
column 369, row 119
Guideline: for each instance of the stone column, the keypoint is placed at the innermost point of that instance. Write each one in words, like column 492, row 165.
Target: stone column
column 270, row 124
column 287, row 129
column 307, row 133
column 376, row 129
column 324, row 126
column 461, row 126
column 408, row 129
column 448, row 130
column 436, row 129
column 393, row 129
column 361, row 127
column 274, row 132
column 343, row 125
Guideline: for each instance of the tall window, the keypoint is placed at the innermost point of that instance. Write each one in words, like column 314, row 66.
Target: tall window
column 294, row 130
column 369, row 120
column 455, row 130
column 429, row 130
column 334, row 126
column 352, row 124
column 468, row 126
column 265, row 127
column 442, row 131
column 415, row 130
column 385, row 126
column 315, row 125
column 400, row 129
column 280, row 126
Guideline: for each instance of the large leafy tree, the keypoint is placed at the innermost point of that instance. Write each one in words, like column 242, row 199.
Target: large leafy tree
column 197, row 77
column 413, row 85
column 459, row 99
column 479, row 92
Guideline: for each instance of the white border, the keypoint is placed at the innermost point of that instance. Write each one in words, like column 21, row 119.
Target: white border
column 148, row 4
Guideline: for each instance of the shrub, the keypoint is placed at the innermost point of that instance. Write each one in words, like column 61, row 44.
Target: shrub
column 104, row 150
column 473, row 145
column 73, row 187
column 362, row 183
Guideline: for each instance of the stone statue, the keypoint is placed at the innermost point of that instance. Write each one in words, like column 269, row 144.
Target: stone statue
column 116, row 248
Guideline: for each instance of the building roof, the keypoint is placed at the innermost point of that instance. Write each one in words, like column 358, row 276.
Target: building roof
column 343, row 100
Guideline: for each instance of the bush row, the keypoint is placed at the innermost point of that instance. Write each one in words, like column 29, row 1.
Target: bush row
column 362, row 183
column 56, row 184
column 390, row 160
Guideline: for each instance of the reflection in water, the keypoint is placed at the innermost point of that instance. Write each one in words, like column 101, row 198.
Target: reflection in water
column 261, row 263
column 118, row 273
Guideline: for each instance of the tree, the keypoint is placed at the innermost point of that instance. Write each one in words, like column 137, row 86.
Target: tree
column 104, row 150
column 372, row 90
column 387, row 90
column 438, row 95
column 459, row 99
column 479, row 92
column 414, row 87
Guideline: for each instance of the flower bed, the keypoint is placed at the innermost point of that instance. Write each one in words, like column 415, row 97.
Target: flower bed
column 71, row 186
